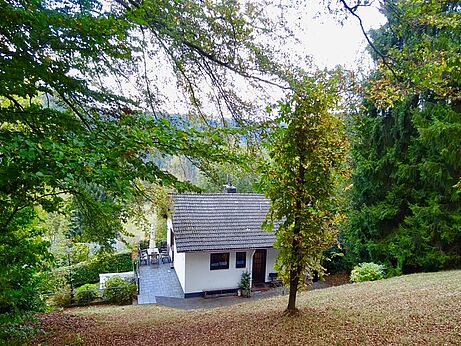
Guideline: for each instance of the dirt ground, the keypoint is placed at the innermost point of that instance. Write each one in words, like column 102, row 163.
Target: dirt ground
column 418, row 309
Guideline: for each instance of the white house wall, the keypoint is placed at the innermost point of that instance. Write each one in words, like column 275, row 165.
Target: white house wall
column 179, row 257
column 180, row 267
column 270, row 262
column 199, row 277
column 169, row 227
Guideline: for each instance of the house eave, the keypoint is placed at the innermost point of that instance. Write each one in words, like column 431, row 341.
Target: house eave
column 225, row 249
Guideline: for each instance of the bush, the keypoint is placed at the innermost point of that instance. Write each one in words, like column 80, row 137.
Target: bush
column 16, row 328
column 87, row 293
column 119, row 291
column 88, row 272
column 367, row 272
column 245, row 284
column 144, row 244
column 336, row 259
column 62, row 298
column 161, row 243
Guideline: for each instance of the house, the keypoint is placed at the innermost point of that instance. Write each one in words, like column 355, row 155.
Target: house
column 214, row 237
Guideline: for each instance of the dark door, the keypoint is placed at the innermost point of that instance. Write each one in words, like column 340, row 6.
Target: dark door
column 259, row 267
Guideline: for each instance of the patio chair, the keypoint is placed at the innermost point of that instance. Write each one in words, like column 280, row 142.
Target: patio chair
column 154, row 259
column 274, row 281
column 164, row 256
column 143, row 257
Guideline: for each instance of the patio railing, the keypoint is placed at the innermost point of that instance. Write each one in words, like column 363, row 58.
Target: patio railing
column 136, row 274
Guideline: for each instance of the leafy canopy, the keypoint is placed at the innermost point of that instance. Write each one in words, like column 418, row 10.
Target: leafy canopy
column 307, row 151
column 68, row 129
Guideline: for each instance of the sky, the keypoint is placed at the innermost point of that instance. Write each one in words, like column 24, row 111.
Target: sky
column 320, row 36
column 329, row 42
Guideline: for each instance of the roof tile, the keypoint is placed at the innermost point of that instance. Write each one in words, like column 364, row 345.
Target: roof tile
column 220, row 221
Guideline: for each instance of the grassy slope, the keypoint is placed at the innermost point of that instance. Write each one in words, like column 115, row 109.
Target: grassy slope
column 420, row 309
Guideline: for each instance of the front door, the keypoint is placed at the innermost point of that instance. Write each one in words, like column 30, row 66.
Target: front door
column 259, row 267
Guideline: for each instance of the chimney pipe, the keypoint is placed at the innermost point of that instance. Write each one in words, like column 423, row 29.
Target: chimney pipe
column 229, row 188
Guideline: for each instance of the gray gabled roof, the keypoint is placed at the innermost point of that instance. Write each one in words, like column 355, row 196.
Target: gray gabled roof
column 220, row 221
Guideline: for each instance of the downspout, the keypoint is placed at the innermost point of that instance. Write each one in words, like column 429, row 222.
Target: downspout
column 251, row 271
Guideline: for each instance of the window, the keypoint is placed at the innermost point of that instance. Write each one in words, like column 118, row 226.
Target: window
column 240, row 259
column 219, row 261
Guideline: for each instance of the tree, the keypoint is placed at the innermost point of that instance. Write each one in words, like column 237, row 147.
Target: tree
column 405, row 203
column 307, row 152
column 63, row 128
column 417, row 50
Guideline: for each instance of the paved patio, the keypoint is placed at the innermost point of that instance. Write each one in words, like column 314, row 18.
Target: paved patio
column 160, row 285
column 158, row 281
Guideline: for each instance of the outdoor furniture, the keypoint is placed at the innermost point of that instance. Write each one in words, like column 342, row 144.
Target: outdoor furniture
column 154, row 259
column 165, row 258
column 143, row 257
column 153, row 255
column 164, row 255
column 274, row 281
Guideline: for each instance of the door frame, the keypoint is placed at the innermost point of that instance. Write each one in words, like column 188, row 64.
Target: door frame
column 258, row 276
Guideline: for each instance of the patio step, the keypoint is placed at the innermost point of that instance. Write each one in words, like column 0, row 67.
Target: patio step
column 146, row 299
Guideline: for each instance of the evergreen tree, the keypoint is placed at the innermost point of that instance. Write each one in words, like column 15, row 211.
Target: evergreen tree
column 405, row 203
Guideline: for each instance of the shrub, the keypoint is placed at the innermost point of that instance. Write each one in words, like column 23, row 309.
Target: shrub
column 245, row 284
column 367, row 272
column 62, row 298
column 87, row 293
column 161, row 243
column 119, row 291
column 144, row 244
column 88, row 272
column 16, row 328
column 336, row 259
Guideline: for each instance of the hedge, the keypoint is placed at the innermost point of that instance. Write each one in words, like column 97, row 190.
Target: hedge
column 88, row 272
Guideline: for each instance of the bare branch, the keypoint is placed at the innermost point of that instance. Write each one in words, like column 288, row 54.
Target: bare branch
column 352, row 10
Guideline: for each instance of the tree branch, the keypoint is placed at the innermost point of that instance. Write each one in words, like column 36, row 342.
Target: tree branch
column 352, row 10
column 76, row 111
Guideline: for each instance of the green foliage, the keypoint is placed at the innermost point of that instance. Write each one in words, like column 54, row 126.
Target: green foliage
column 243, row 178
column 80, row 252
column 144, row 244
column 88, row 272
column 245, row 284
column 336, row 260
column 421, row 51
column 15, row 329
column 62, row 298
column 160, row 230
column 405, row 206
column 66, row 131
column 367, row 272
column 24, row 254
column 307, row 153
column 405, row 202
column 119, row 291
column 86, row 294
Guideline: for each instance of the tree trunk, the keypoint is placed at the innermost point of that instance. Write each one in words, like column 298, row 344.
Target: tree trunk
column 295, row 269
column 294, row 280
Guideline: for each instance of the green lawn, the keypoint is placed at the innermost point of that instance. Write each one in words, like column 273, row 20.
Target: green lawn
column 419, row 309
